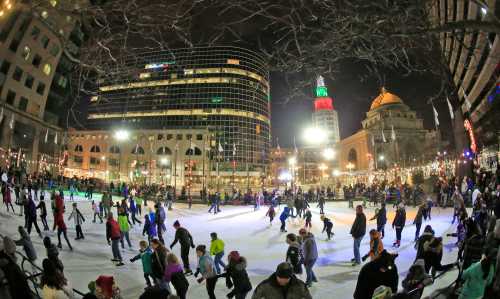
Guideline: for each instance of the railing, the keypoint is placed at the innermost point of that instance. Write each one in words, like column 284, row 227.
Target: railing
column 32, row 276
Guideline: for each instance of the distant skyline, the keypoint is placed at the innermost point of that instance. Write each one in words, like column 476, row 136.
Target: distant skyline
column 352, row 99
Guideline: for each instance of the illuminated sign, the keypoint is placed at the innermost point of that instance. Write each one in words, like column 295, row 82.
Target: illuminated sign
column 217, row 100
column 470, row 130
column 323, row 103
column 159, row 65
column 233, row 61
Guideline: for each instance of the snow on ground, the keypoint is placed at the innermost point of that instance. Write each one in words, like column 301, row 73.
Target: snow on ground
column 247, row 231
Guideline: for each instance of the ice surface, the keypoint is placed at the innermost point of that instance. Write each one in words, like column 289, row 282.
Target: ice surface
column 247, row 231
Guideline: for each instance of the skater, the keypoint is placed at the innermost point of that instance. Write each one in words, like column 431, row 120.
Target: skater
column 284, row 215
column 308, row 217
column 43, row 213
column 418, row 221
column 159, row 264
column 381, row 216
column 25, row 241
column 145, row 254
column 149, row 226
column 173, row 274
column 416, row 280
column 72, row 191
column 61, row 229
column 217, row 250
column 310, row 252
column 30, row 212
column 160, row 221
column 321, row 204
column 133, row 210
column 476, row 278
column 282, row 284
column 430, row 203
column 379, row 272
column 124, row 228
column 236, row 276
column 79, row 219
column 206, row 269
column 399, row 223
column 376, row 246
column 358, row 231
column 6, row 195
column 53, row 253
column 294, row 253
column 213, row 203
column 427, row 235
column 327, row 226
column 271, row 213
column 433, row 254
column 113, row 237
column 97, row 211
column 138, row 203
column 107, row 203
column 53, row 283
column 184, row 238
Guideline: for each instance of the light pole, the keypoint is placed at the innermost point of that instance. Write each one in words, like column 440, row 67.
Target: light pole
column 121, row 135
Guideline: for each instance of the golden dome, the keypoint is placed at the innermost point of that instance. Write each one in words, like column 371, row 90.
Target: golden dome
column 385, row 98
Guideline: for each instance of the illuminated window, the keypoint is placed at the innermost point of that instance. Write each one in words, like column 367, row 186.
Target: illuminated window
column 95, row 149
column 35, row 32
column 26, row 52
column 144, row 75
column 233, row 61
column 114, row 149
column 45, row 14
column 78, row 148
column 47, row 69
column 94, row 98
column 188, row 72
column 61, row 32
column 138, row 150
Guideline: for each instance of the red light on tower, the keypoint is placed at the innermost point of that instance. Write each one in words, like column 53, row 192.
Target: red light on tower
column 323, row 103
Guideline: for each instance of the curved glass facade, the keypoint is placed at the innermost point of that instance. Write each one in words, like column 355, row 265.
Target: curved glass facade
column 224, row 90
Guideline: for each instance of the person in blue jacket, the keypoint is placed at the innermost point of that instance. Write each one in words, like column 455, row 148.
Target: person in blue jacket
column 284, row 215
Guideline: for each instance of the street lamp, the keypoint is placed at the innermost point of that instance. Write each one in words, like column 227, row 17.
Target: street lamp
column 122, row 135
column 381, row 158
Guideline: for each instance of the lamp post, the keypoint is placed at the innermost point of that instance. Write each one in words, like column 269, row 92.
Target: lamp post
column 120, row 136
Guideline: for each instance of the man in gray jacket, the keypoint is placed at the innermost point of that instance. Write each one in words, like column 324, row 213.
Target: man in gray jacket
column 310, row 252
column 358, row 231
column 282, row 284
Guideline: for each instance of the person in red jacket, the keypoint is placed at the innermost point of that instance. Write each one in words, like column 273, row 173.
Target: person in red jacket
column 59, row 221
column 113, row 237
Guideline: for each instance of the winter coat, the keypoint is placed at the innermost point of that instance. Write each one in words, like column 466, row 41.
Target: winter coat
column 171, row 269
column 284, row 215
column 183, row 236
column 31, row 212
column 382, row 216
column 43, row 208
column 123, row 222
column 174, row 274
column 145, row 257
column 77, row 216
column 376, row 247
column 16, row 279
column 112, row 230
column 493, row 243
column 237, row 277
column 216, row 246
column 370, row 277
column 59, row 221
column 327, row 224
column 28, row 247
column 309, row 249
column 149, row 226
column 206, row 266
column 270, row 289
column 473, row 250
column 411, row 283
column 474, row 284
column 159, row 262
column 52, row 293
column 419, row 216
column 358, row 228
column 399, row 219
column 294, row 257
column 425, row 237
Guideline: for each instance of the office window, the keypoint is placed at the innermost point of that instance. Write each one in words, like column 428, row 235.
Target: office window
column 35, row 33
column 199, row 137
column 41, row 88
column 11, row 96
column 45, row 41
column 189, row 136
column 47, row 68
column 78, row 159
column 23, row 104
column 14, row 45
column 26, row 53
column 113, row 162
column 179, row 137
column 169, row 136
column 95, row 161
column 37, row 60
column 18, row 73
column 4, row 69
column 29, row 81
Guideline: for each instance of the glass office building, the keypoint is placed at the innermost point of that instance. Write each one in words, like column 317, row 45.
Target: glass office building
column 223, row 90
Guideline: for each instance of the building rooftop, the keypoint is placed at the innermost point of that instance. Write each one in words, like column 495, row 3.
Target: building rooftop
column 385, row 98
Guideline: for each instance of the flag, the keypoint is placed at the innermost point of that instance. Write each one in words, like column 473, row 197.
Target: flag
column 234, row 149
column 383, row 136
column 393, row 133
column 436, row 119
column 11, row 123
column 466, row 99
column 55, row 139
column 47, row 136
column 295, row 146
column 220, row 148
column 1, row 115
column 450, row 108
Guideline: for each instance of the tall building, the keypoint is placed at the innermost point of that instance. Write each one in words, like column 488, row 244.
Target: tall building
column 324, row 115
column 221, row 90
column 34, row 76
column 473, row 59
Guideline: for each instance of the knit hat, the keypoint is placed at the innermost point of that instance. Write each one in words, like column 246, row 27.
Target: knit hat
column 234, row 256
column 106, row 285
column 177, row 223
column 284, row 270
column 382, row 292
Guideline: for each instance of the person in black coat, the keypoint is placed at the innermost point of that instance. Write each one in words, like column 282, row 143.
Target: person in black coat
column 328, row 226
column 31, row 216
column 184, row 238
column 381, row 271
column 43, row 213
column 236, row 276
column 399, row 223
column 358, row 231
column 381, row 216
column 294, row 253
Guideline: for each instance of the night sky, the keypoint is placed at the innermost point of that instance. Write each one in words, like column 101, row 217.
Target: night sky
column 352, row 96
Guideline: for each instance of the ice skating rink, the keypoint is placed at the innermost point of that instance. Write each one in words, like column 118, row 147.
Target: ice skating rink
column 247, row 231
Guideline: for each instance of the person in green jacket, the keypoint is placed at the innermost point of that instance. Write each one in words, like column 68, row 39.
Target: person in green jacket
column 476, row 278
column 124, row 227
column 145, row 254
column 138, row 203
column 217, row 250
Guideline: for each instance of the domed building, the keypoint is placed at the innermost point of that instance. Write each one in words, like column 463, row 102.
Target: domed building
column 391, row 134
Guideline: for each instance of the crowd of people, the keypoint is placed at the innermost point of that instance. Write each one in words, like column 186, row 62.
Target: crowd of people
column 477, row 233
